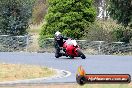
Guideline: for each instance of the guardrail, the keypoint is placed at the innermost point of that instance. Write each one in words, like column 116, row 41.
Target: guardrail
column 21, row 43
column 103, row 47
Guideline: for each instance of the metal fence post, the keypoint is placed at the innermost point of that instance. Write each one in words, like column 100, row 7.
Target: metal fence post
column 99, row 47
column 27, row 41
column 100, row 44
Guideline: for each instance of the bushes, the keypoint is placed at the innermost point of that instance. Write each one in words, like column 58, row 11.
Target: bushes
column 66, row 17
column 100, row 31
column 43, row 42
column 122, row 34
column 14, row 16
column 107, row 31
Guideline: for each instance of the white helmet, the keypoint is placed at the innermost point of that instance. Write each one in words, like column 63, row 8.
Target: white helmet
column 57, row 33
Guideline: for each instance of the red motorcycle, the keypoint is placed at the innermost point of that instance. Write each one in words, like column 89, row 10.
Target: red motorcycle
column 72, row 50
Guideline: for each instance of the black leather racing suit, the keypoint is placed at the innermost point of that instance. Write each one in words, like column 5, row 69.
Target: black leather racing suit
column 58, row 42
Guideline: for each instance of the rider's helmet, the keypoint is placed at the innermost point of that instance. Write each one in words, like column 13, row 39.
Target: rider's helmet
column 58, row 35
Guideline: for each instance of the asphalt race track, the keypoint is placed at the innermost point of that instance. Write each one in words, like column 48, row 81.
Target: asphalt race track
column 97, row 64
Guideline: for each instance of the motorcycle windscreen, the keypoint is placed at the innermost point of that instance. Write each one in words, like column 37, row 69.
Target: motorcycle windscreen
column 71, row 42
column 74, row 42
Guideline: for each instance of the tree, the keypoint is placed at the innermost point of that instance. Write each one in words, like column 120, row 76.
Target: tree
column 121, row 10
column 70, row 17
column 14, row 16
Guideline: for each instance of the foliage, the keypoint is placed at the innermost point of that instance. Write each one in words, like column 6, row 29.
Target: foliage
column 122, row 34
column 70, row 17
column 94, row 33
column 121, row 10
column 43, row 41
column 108, row 31
column 100, row 31
column 14, row 16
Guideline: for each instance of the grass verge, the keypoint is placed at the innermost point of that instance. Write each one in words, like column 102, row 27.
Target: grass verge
column 105, row 86
column 11, row 72
column 73, row 85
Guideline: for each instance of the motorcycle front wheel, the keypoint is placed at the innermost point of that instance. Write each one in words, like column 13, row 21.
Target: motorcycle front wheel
column 81, row 54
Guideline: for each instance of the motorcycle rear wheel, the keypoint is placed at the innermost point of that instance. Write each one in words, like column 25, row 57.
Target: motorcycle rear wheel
column 57, row 55
column 72, row 57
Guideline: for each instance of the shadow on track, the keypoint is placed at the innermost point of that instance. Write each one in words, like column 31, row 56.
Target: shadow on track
column 68, row 58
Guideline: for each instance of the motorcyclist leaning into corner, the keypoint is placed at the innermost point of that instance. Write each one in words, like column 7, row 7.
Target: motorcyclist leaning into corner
column 59, row 41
